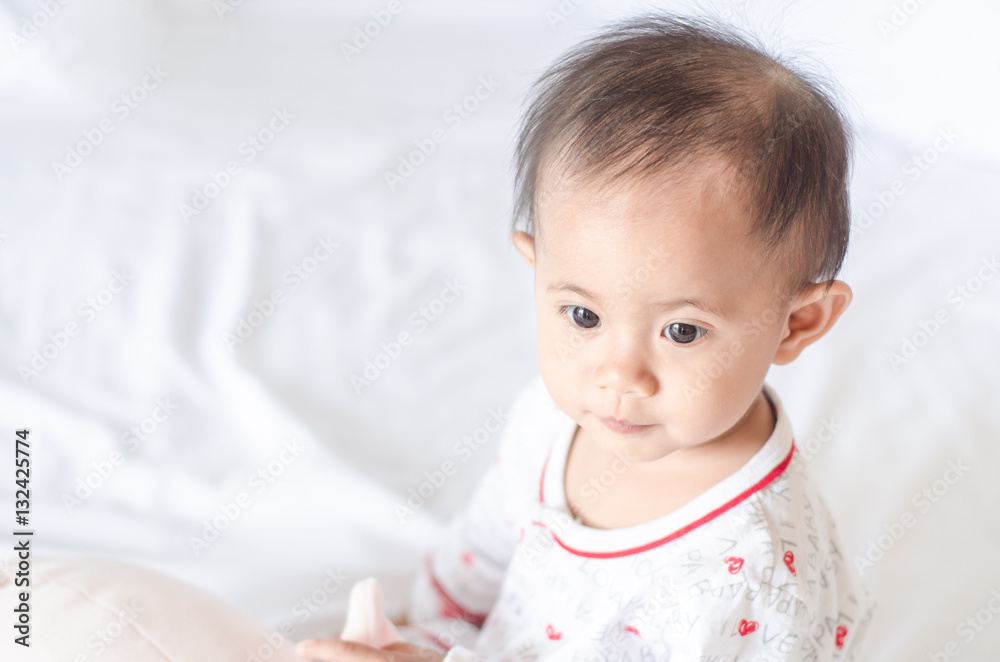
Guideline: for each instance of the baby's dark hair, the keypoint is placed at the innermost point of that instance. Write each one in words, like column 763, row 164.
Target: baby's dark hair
column 659, row 94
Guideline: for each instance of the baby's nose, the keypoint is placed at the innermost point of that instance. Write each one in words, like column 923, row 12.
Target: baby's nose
column 626, row 373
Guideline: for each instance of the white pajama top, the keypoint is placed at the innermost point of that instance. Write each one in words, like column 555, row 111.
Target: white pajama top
column 751, row 569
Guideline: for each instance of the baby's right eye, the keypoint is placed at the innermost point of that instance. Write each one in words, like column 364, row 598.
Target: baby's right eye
column 581, row 317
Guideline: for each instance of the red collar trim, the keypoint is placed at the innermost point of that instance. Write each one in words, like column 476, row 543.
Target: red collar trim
column 759, row 485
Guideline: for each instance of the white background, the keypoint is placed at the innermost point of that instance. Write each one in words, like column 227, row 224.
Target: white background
column 332, row 507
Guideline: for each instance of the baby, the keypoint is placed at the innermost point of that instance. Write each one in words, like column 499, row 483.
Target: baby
column 685, row 209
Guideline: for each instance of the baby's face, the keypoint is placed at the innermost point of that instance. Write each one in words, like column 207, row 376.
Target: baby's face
column 653, row 309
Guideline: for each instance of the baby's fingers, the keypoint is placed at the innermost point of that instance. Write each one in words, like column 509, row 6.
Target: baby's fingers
column 415, row 653
column 340, row 650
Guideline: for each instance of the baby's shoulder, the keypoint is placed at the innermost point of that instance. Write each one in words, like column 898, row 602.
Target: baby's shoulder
column 791, row 510
column 793, row 544
column 774, row 562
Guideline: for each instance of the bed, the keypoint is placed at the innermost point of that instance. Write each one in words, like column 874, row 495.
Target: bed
column 220, row 220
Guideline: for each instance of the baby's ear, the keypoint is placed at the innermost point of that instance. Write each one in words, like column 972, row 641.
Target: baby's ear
column 525, row 245
column 813, row 313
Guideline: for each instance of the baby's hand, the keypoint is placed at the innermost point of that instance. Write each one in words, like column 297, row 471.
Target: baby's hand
column 340, row 650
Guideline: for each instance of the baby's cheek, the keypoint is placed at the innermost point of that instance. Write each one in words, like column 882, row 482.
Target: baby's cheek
column 700, row 387
column 562, row 351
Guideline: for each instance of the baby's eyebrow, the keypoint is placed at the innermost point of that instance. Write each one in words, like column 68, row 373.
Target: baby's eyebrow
column 671, row 304
column 555, row 287
column 700, row 304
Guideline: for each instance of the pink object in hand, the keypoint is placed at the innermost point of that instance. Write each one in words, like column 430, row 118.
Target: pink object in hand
column 366, row 623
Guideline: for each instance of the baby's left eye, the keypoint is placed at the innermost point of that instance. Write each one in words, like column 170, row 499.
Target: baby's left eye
column 683, row 333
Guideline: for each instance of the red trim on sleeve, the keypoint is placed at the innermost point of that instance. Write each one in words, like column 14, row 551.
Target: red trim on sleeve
column 451, row 606
column 541, row 482
column 761, row 484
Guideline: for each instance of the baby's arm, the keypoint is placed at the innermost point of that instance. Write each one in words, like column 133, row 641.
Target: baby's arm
column 460, row 578
column 455, row 588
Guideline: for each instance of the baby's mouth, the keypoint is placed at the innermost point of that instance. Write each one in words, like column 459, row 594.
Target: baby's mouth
column 623, row 427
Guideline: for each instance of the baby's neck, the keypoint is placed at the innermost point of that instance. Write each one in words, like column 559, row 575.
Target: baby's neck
column 642, row 494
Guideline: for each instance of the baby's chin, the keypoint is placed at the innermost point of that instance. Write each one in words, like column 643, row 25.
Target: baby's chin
column 640, row 447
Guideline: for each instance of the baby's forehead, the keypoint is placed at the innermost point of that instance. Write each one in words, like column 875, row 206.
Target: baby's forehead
column 658, row 205
column 692, row 229
column 708, row 174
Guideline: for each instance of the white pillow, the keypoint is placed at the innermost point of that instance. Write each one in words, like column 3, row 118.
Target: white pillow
column 96, row 610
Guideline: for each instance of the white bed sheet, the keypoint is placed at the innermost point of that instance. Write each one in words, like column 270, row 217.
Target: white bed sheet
column 161, row 340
